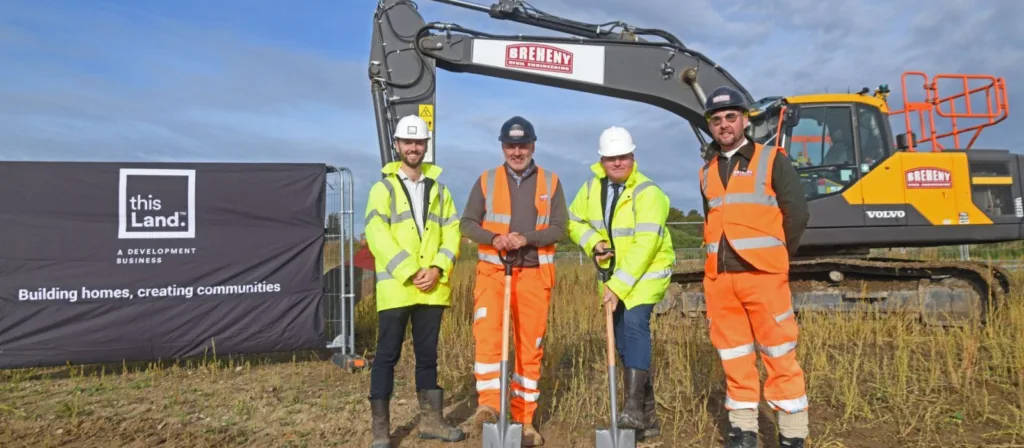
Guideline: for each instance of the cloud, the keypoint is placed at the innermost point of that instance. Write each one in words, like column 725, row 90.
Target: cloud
column 233, row 84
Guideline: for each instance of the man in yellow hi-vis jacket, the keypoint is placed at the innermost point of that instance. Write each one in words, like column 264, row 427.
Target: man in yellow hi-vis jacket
column 412, row 229
column 629, row 203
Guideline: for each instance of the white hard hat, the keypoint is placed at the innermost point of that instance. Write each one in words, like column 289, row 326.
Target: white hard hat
column 412, row 127
column 615, row 141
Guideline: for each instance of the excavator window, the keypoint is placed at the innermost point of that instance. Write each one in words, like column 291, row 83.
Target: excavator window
column 822, row 149
column 874, row 146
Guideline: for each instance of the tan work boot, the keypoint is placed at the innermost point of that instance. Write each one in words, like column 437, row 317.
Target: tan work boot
column 530, row 436
column 483, row 414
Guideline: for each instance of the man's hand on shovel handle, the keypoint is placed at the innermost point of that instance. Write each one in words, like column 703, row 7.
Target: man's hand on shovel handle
column 610, row 299
column 601, row 249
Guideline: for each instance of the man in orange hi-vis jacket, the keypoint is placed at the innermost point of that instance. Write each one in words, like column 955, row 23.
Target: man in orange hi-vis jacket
column 755, row 213
column 516, row 206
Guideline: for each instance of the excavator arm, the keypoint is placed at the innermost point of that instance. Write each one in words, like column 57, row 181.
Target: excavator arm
column 406, row 51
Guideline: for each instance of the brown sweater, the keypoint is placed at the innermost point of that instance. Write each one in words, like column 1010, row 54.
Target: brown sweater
column 524, row 216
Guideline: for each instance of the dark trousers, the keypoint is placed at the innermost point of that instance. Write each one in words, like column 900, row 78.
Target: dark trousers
column 633, row 335
column 426, row 324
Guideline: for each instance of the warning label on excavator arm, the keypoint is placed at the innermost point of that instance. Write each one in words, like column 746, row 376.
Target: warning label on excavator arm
column 427, row 114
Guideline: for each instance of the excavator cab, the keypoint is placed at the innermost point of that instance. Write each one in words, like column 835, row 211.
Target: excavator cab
column 832, row 140
column 837, row 140
column 868, row 189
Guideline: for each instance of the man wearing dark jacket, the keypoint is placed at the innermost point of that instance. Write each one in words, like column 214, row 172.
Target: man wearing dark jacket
column 755, row 213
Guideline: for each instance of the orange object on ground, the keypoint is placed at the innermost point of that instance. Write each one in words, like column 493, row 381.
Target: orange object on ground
column 742, row 306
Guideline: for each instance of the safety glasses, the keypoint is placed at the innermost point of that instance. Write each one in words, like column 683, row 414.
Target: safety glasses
column 730, row 117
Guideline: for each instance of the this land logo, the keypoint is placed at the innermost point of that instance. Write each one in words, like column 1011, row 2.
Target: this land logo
column 156, row 203
column 539, row 57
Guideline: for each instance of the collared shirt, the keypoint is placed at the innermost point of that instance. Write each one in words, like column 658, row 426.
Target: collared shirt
column 416, row 192
column 526, row 172
column 610, row 203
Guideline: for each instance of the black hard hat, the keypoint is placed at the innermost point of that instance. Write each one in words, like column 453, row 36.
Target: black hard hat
column 724, row 98
column 517, row 130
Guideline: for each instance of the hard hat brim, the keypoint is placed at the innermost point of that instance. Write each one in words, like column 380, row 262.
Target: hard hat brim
column 616, row 153
column 504, row 139
column 735, row 107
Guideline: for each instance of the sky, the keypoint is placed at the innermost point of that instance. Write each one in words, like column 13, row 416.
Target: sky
column 259, row 81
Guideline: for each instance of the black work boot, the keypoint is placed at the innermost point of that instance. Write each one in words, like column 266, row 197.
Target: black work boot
column 741, row 439
column 786, row 442
column 381, row 423
column 432, row 425
column 632, row 415
column 652, row 425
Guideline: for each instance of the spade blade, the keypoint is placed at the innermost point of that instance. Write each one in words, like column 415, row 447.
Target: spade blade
column 626, row 439
column 492, row 437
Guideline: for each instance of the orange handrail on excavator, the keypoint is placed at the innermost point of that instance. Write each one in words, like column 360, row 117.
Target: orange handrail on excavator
column 995, row 109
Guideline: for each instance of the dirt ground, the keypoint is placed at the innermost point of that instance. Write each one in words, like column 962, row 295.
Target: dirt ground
column 307, row 401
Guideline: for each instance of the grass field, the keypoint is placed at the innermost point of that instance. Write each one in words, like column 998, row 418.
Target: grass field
column 873, row 382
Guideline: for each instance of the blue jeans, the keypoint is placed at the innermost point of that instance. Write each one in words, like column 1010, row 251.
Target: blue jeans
column 633, row 335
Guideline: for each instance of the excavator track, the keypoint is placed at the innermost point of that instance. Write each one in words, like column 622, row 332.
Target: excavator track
column 946, row 293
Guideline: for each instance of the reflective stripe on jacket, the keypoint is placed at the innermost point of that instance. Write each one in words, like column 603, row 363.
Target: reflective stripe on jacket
column 498, row 212
column 644, row 256
column 747, row 213
column 398, row 249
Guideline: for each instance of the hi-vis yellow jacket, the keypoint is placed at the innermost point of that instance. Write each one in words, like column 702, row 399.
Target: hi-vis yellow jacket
column 643, row 247
column 399, row 251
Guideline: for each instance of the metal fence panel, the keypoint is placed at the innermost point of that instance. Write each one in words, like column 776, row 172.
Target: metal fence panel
column 339, row 279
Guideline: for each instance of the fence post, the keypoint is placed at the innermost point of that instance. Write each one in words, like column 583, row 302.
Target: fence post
column 340, row 282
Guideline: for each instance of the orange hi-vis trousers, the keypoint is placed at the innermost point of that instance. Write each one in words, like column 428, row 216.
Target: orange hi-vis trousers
column 742, row 306
column 531, row 297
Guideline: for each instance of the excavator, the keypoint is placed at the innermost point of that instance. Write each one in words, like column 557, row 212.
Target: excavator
column 866, row 189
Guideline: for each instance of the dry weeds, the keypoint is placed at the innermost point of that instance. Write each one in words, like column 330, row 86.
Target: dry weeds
column 873, row 381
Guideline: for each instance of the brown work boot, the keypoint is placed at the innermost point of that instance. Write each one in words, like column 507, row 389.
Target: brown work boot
column 432, row 425
column 530, row 436
column 483, row 414
column 381, row 423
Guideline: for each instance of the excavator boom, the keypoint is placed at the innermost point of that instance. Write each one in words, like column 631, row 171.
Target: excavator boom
column 601, row 61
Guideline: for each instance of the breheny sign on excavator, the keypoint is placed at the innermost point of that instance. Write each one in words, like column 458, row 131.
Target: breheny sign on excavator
column 866, row 189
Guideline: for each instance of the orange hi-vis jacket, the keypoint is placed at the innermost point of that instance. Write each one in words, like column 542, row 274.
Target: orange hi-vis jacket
column 746, row 213
column 494, row 183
